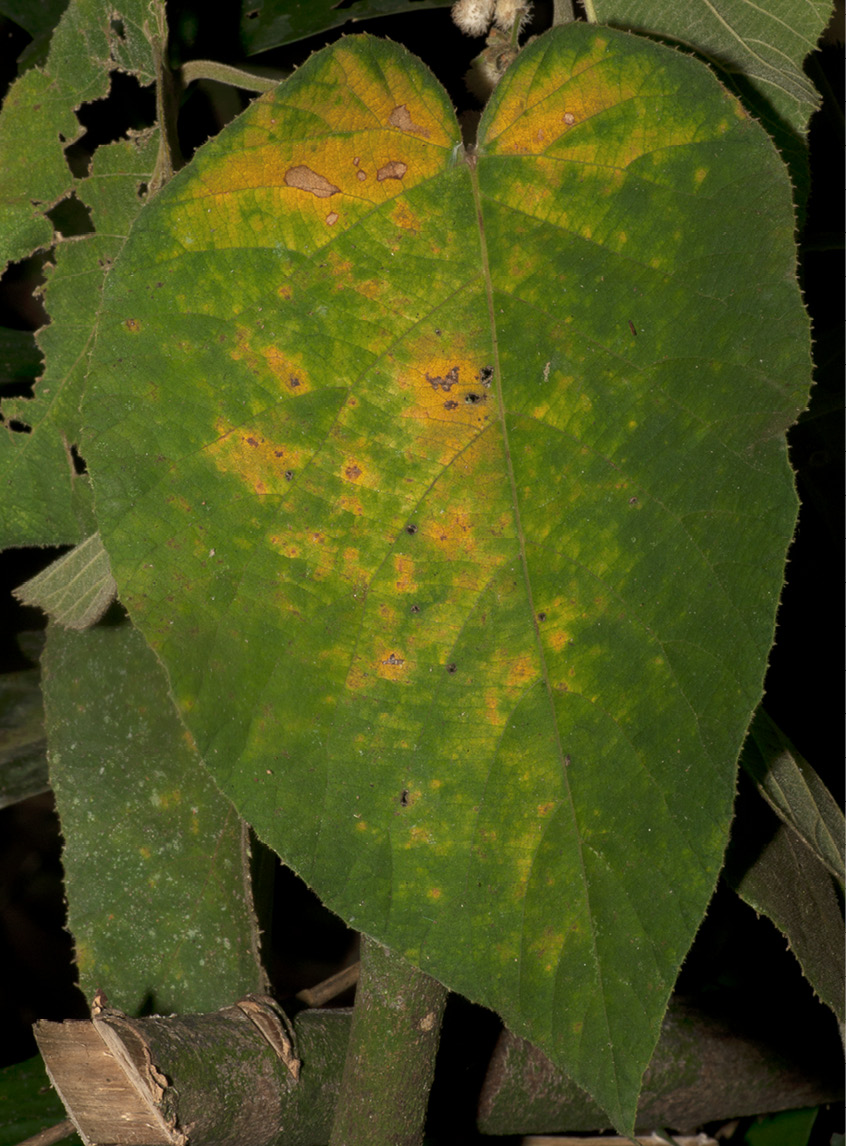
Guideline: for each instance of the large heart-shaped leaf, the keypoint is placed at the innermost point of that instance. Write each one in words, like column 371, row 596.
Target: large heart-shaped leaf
column 452, row 493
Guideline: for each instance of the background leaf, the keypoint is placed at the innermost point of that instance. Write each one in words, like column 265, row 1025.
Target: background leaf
column 454, row 498
column 268, row 23
column 773, row 870
column 28, row 1103
column 23, row 744
column 158, row 900
column 758, row 48
column 795, row 792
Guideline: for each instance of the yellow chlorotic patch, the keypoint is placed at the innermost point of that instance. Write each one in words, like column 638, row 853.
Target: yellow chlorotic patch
column 418, row 835
column 521, row 670
column 434, row 893
column 264, row 466
column 286, row 368
column 404, row 570
column 351, row 504
column 391, row 665
column 361, row 826
column 402, row 215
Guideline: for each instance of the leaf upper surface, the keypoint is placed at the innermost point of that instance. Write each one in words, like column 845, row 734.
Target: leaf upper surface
column 453, row 496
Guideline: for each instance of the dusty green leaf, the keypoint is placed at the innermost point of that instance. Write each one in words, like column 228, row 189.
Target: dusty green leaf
column 795, row 792
column 453, row 495
column 154, row 865
column 772, row 869
column 74, row 590
column 266, row 24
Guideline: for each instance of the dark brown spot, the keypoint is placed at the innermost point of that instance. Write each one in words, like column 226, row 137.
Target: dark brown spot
column 444, row 383
column 293, row 382
column 304, row 179
column 451, row 405
column 632, row 501
column 289, row 475
column 450, row 668
column 404, row 798
column 395, row 169
column 632, row 328
column 485, row 375
column 352, row 472
column 472, row 399
column 415, row 608
column 393, row 659
column 541, row 616
column 251, row 442
column 411, row 528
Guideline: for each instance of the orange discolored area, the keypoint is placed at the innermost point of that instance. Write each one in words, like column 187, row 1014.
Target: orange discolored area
column 287, row 368
column 263, row 465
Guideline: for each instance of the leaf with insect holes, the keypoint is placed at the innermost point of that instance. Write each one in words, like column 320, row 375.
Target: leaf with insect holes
column 51, row 503
column 465, row 588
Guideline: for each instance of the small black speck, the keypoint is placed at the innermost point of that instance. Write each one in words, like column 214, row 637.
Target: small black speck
column 412, row 529
column 472, row 399
column 450, row 668
column 437, row 331
column 415, row 608
column 404, row 798
column 541, row 616
column 567, row 761
column 289, row 475
column 485, row 375
column 632, row 501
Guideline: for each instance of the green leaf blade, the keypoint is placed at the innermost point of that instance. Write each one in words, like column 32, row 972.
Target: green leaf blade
column 465, row 587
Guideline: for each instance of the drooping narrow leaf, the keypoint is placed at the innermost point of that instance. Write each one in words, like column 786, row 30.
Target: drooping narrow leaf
column 452, row 493
column 158, row 903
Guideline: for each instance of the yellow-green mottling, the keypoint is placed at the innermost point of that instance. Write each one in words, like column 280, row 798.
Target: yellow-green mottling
column 452, row 492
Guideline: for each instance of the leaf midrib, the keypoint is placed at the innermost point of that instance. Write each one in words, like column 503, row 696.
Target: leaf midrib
column 471, row 160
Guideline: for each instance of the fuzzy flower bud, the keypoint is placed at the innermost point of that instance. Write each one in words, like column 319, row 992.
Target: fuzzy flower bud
column 507, row 11
column 473, row 16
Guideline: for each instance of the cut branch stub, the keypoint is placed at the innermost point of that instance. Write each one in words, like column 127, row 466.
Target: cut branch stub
column 178, row 1075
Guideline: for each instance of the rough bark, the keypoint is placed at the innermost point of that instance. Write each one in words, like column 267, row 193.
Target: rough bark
column 225, row 1082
